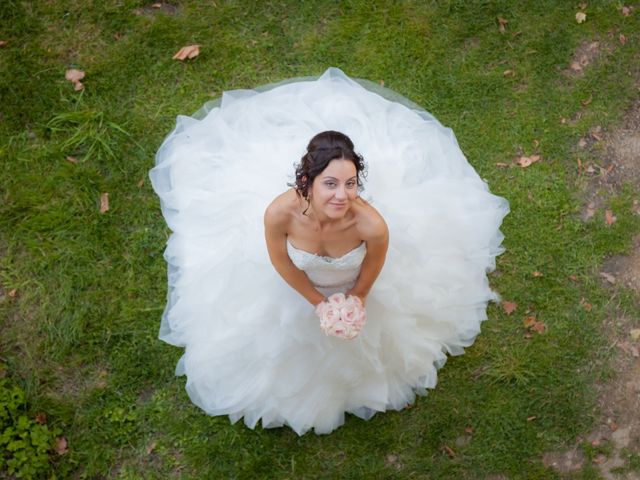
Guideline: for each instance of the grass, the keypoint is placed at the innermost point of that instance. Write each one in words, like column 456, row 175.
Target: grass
column 81, row 334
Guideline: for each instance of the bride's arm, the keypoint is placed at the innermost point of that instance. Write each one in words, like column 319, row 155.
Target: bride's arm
column 376, row 234
column 276, row 237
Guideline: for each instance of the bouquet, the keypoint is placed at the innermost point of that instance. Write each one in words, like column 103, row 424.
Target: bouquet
column 341, row 316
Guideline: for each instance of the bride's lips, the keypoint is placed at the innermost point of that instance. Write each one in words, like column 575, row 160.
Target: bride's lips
column 338, row 205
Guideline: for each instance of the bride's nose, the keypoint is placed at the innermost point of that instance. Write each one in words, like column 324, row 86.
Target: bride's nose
column 341, row 192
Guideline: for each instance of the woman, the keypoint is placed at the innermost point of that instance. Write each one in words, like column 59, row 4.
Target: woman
column 324, row 215
column 244, row 309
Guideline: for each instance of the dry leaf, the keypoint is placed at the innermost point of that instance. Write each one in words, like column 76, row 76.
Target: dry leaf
column 141, row 183
column 508, row 73
column 529, row 322
column 586, row 305
column 156, row 5
column 626, row 11
column 502, row 165
column 537, row 274
column 601, row 458
column 151, row 447
column 41, row 418
column 608, row 277
column 447, row 449
column 190, row 51
column 532, row 324
column 104, row 202
column 531, row 419
column 3, row 43
column 586, row 101
column 609, row 217
column 536, row 143
column 575, row 66
column 468, row 429
column 635, row 334
column 509, row 307
column 581, row 17
column 539, row 327
column 61, row 446
column 72, row 159
column 622, row 39
column 573, row 278
column 13, row 293
column 74, row 76
column 526, row 161
column 502, row 24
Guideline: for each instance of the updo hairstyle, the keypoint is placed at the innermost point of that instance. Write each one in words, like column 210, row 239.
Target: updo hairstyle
column 323, row 148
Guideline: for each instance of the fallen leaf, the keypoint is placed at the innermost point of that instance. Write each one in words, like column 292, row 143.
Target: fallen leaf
column 104, row 202
column 72, row 159
column 151, row 447
column 608, row 277
column 156, row 5
column 190, row 51
column 613, row 426
column 581, row 17
column 74, row 76
column 586, row 305
column 573, row 278
column 529, row 322
column 536, row 143
column 635, row 334
column 609, row 217
column 502, row 24
column 508, row 73
column 141, row 183
column 590, row 169
column 586, row 101
column 622, row 39
column 3, row 43
column 509, row 307
column 61, row 446
column 575, row 66
column 502, row 165
column 600, row 459
column 537, row 274
column 626, row 11
column 468, row 429
column 448, row 450
column 41, row 418
column 539, row 327
column 526, row 161
column 13, row 293
column 531, row 419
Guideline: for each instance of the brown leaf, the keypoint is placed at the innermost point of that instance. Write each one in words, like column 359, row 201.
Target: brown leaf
column 3, row 43
column 74, row 76
column 151, row 447
column 72, row 159
column 537, row 274
column 141, row 183
column 61, row 446
column 529, row 322
column 622, row 39
column 626, row 11
column 587, row 101
column 104, row 202
column 156, row 5
column 635, row 334
column 609, row 217
column 13, row 293
column 575, row 66
column 468, row 429
column 573, row 278
column 41, row 418
column 581, row 17
column 509, row 307
column 586, row 305
column 526, row 161
column 532, row 418
column 508, row 73
column 449, row 451
column 608, row 277
column 502, row 24
column 536, row 143
column 539, row 327
column 503, row 165
column 190, row 51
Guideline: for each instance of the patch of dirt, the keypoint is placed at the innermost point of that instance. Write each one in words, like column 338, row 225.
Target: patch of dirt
column 586, row 54
column 626, row 269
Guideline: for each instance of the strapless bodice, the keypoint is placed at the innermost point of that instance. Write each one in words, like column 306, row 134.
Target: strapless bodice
column 328, row 274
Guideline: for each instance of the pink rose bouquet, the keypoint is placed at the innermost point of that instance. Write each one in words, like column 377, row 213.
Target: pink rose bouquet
column 341, row 316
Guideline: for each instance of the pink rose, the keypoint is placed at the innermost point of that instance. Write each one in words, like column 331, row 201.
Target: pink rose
column 341, row 317
column 338, row 300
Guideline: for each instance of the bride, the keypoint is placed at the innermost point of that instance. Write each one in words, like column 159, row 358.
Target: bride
column 415, row 249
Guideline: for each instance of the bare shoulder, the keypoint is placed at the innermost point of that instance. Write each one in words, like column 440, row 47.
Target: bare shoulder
column 281, row 210
column 370, row 223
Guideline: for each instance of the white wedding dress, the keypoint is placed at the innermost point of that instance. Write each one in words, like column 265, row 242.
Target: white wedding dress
column 253, row 346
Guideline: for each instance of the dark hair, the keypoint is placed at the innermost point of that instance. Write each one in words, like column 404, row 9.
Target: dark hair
column 323, row 148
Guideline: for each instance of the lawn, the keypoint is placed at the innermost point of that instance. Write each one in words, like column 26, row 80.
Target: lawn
column 82, row 290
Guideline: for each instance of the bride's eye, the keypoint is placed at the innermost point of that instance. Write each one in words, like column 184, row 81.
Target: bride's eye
column 330, row 184
column 351, row 184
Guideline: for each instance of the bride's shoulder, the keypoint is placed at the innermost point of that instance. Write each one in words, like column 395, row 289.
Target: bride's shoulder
column 282, row 208
column 369, row 222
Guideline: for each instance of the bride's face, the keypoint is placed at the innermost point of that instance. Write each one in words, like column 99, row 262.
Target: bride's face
column 334, row 189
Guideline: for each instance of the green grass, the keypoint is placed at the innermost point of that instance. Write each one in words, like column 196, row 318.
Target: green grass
column 81, row 335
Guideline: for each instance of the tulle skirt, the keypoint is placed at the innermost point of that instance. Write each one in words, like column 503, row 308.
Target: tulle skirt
column 253, row 348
